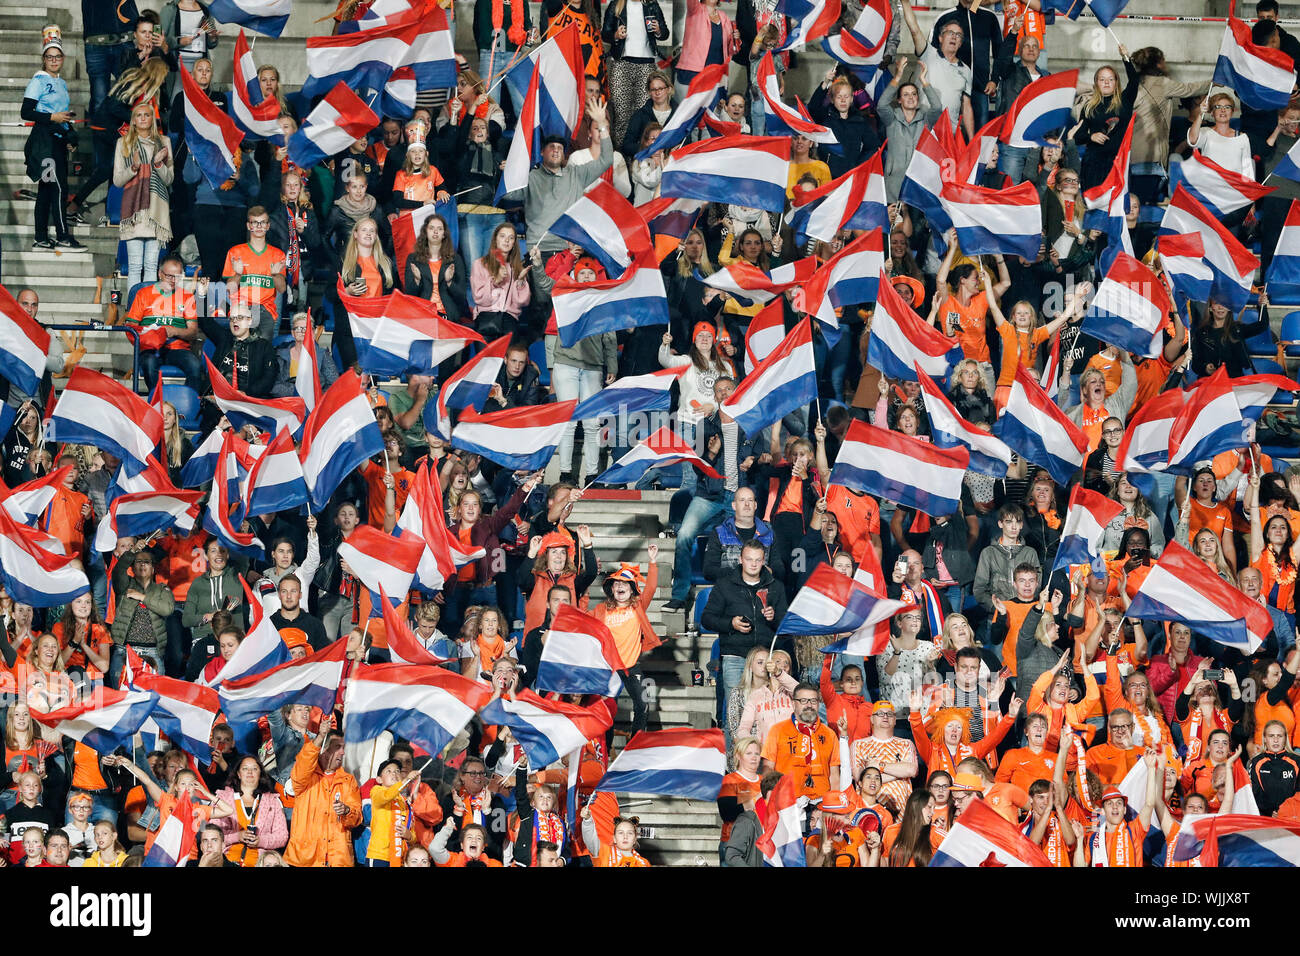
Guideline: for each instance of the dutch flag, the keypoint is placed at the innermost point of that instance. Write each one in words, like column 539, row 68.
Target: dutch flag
column 833, row 603
column 1182, row 259
column 1130, row 308
column 634, row 393
column 257, row 116
column 752, row 286
column 670, row 215
column 659, row 450
column 781, row 843
column 140, row 514
column 1263, row 77
column 382, row 562
column 275, row 481
column 981, row 837
column 1042, row 108
column 313, row 680
column 261, row 649
column 856, row 200
column 340, row 434
column 95, row 410
column 1232, row 263
column 676, row 762
column 1238, row 839
column 1284, row 270
column 1219, row 190
column 1038, row 431
column 1181, row 587
column 332, row 126
column 701, row 95
column 992, row 221
column 212, row 136
column 267, row 17
column 547, row 729
column 398, row 334
column 924, row 179
column 637, row 298
column 748, row 171
column 422, row 517
column 904, row 345
column 24, row 343
column 988, row 455
column 579, row 657
column 183, row 711
column 468, row 387
column 218, row 518
column 892, row 466
column 810, row 20
column 1085, row 525
column 783, row 118
column 850, row 276
column 523, row 439
column 782, row 382
column 765, row 333
column 105, row 723
column 552, row 106
column 607, row 226
column 267, row 414
column 1209, row 422
column 426, row 705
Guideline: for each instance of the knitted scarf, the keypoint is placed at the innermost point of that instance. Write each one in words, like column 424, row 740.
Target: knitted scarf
column 356, row 210
column 516, row 34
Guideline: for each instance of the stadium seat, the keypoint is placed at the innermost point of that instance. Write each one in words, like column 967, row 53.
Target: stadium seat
column 537, row 352
column 281, row 341
column 188, row 406
column 132, row 292
column 1265, row 366
column 697, row 612
column 1289, row 334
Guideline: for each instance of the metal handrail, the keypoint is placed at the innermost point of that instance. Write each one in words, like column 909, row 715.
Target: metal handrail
column 97, row 326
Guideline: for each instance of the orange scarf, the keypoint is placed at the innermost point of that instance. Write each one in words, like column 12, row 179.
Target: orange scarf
column 516, row 34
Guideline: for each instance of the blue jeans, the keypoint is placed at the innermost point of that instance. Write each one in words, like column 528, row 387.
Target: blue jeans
column 152, row 360
column 141, row 261
column 476, row 233
column 687, row 432
column 488, row 64
column 1011, row 160
column 700, row 517
column 100, row 61
column 580, row 383
column 1284, row 628
column 979, row 107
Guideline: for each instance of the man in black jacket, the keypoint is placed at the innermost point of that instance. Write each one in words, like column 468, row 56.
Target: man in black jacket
column 518, row 383
column 745, row 607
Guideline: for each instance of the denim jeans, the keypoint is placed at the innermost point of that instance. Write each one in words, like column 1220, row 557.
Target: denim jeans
column 141, row 261
column 701, row 516
column 732, row 670
column 580, row 383
column 489, row 64
column 100, row 61
column 979, row 107
column 1011, row 160
column 185, row 360
column 476, row 233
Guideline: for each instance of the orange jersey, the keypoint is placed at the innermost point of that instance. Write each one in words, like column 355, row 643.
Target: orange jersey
column 737, row 786
column 257, row 281
column 418, row 187
column 170, row 311
column 1018, row 348
column 881, row 752
column 402, row 482
column 65, row 519
column 807, row 757
column 1021, row 767
column 968, row 325
column 858, row 517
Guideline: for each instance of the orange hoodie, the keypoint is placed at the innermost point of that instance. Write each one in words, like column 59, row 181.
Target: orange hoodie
column 317, row 836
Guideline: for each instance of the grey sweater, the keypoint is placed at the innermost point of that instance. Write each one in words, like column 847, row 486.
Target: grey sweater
column 549, row 195
column 993, row 575
column 741, row 848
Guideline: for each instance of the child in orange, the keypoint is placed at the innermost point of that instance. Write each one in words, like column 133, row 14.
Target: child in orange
column 490, row 645
column 417, row 182
column 473, row 842
column 628, row 596
column 1021, row 337
column 622, row 852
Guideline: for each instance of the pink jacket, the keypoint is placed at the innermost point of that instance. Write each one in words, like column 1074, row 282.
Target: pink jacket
column 1167, row 685
column 695, row 37
column 766, row 709
column 272, row 828
column 507, row 295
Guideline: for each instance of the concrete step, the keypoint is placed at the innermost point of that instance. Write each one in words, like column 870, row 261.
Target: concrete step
column 52, row 267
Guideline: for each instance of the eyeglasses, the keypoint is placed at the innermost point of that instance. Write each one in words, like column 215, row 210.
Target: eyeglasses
column 1112, row 431
column 473, row 773
column 1121, row 726
column 805, row 700
column 1069, row 182
column 658, row 89
column 256, row 223
column 940, row 786
column 1221, row 106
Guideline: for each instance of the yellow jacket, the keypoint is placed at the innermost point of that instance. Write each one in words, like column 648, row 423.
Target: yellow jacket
column 390, row 817
column 317, row 837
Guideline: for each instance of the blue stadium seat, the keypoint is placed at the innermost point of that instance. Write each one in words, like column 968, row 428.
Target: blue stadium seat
column 537, row 352
column 280, row 341
column 1289, row 334
column 188, row 406
column 701, row 599
column 697, row 559
column 132, row 292
column 209, row 350
column 1265, row 366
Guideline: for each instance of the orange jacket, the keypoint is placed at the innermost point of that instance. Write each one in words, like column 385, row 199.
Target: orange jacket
column 317, row 837
column 649, row 639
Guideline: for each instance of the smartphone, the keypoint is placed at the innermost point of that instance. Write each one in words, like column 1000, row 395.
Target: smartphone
column 1214, row 673
column 252, row 828
column 901, row 566
column 746, row 621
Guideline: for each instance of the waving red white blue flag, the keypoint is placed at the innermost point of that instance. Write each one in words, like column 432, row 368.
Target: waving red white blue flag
column 1284, row 270
column 1085, row 526
column 766, row 331
column 218, row 518
column 636, row 298
column 141, row 514
column 382, row 562
column 106, row 721
column 659, row 450
column 849, row 277
column 1219, row 190
column 809, row 20
column 856, row 200
column 674, row 762
column 210, row 134
column 267, row 17
column 898, row 468
column 1130, row 308
column 523, row 439
column 633, row 393
column 1181, row 587
column 579, row 657
column 1263, row 77
column 259, row 651
column 782, row 382
column 833, row 603
column 1232, row 264
column 33, row 574
column 555, row 81
column 1038, row 431
column 751, row 285
column 312, row 680
column 422, row 517
column 175, row 840
column 784, row 118
column 334, row 124
column 701, row 95
column 364, row 60
column 1043, row 107
column 1238, row 839
column 426, row 705
column 988, row 455
column 1107, row 204
column 95, row 410
column 981, row 837
column 275, row 482
column 607, row 226
column 398, row 334
column 256, row 115
column 340, row 434
column 924, row 179
column 863, row 44
column 24, row 343
column 1209, row 422
column 1182, row 259
column 307, row 382
column 992, row 221
column 183, row 711
column 671, row 215
column 902, row 342
column 467, row 387
column 746, row 170
column 781, row 843
column 267, row 414
column 547, row 729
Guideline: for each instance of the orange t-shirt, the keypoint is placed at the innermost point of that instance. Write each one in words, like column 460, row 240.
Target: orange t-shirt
column 736, row 785
column 63, row 519
column 468, row 572
column 970, row 325
column 1277, row 592
column 1218, row 518
column 1018, row 348
column 625, row 626
column 85, row 769
column 153, row 309
column 257, row 283
column 419, row 187
column 402, row 483
column 1017, row 611
column 1021, row 767
column 1151, row 374
column 1091, row 420
column 166, row 804
column 1109, row 367
column 792, row 500
column 370, row 272
column 858, row 516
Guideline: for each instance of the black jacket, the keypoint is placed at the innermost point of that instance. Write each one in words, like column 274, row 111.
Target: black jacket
column 254, row 358
column 636, row 124
column 417, row 280
column 522, row 391
column 311, row 244
column 986, row 29
column 1010, row 75
column 1098, row 158
column 483, row 179
column 855, row 133
column 650, row 11
column 733, row 597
